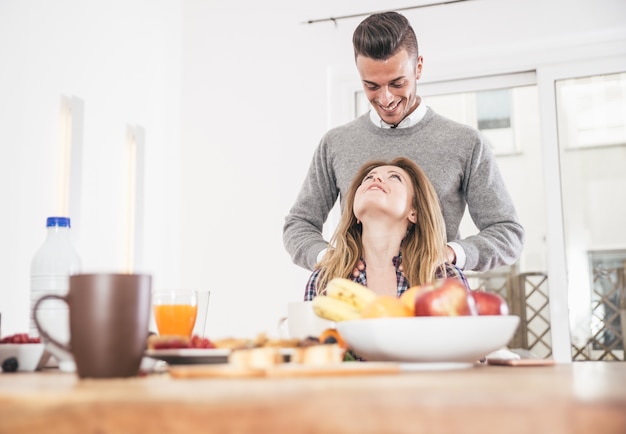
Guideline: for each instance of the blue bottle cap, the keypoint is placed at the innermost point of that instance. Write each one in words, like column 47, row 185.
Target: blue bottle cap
column 58, row 221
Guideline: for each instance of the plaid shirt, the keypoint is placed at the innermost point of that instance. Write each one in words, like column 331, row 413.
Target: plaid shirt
column 402, row 284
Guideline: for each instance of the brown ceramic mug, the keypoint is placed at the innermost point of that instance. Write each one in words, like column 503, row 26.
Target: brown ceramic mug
column 109, row 316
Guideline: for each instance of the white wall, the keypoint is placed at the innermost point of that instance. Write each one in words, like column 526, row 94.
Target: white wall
column 234, row 97
column 123, row 59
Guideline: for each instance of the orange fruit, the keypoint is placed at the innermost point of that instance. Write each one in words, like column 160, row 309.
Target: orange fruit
column 386, row 306
column 332, row 336
column 408, row 297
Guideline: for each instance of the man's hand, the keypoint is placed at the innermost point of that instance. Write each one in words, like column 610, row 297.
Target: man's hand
column 360, row 266
column 450, row 255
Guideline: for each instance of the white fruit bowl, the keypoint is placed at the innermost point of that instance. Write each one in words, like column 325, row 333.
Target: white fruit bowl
column 27, row 355
column 428, row 339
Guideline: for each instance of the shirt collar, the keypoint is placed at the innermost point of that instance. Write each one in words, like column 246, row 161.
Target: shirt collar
column 409, row 121
column 402, row 283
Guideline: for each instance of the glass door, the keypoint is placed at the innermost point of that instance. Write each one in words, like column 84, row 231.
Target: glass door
column 591, row 121
column 583, row 107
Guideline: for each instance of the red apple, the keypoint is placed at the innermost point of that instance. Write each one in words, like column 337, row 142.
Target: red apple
column 489, row 303
column 448, row 298
column 408, row 297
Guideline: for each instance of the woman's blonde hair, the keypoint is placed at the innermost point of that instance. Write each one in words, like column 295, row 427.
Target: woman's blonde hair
column 423, row 247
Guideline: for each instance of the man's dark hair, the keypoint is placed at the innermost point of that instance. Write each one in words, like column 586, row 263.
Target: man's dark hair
column 382, row 35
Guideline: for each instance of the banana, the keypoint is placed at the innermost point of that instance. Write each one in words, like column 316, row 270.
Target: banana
column 333, row 309
column 343, row 301
column 350, row 292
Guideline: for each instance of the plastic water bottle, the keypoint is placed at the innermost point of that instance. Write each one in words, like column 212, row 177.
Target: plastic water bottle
column 51, row 267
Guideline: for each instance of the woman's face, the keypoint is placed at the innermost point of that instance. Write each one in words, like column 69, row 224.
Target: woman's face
column 386, row 191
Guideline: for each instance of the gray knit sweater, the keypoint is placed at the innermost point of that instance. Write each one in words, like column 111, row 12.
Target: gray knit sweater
column 455, row 157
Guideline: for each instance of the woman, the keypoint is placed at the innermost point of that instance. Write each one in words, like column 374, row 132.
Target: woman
column 391, row 222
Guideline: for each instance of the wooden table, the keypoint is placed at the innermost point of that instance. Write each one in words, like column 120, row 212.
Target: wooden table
column 583, row 397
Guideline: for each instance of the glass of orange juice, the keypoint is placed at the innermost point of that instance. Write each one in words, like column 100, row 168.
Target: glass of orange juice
column 175, row 312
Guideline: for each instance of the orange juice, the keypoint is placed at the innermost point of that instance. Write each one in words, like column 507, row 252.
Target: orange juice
column 175, row 319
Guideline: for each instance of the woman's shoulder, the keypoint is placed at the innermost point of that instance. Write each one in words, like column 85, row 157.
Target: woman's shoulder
column 310, row 290
column 454, row 272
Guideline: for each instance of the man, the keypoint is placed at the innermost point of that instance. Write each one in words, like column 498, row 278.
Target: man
column 455, row 157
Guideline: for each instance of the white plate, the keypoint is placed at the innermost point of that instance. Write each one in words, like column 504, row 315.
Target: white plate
column 443, row 339
column 197, row 356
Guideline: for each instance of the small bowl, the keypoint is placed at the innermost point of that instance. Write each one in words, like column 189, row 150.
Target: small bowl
column 428, row 339
column 27, row 355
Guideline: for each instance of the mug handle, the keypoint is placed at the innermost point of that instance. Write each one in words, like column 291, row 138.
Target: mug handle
column 281, row 327
column 43, row 332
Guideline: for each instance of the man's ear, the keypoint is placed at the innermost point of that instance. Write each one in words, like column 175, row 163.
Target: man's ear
column 418, row 67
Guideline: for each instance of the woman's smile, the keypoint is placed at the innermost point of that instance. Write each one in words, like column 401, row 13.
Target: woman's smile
column 378, row 187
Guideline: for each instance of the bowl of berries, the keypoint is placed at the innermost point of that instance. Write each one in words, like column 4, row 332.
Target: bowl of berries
column 20, row 352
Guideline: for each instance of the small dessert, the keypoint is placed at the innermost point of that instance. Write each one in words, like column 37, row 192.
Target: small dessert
column 258, row 358
column 317, row 355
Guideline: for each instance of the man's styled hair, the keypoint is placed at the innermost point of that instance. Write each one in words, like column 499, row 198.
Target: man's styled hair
column 382, row 35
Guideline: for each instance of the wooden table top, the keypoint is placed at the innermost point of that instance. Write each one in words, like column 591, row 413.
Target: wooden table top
column 582, row 397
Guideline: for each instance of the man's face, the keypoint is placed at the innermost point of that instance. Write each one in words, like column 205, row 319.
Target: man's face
column 390, row 84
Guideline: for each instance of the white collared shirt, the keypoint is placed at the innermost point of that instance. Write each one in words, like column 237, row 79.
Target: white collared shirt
column 412, row 119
